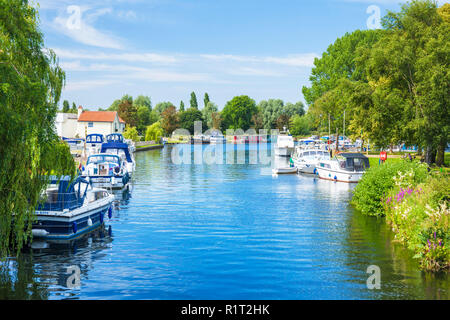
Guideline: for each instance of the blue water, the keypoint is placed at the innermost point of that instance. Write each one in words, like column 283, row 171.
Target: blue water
column 218, row 231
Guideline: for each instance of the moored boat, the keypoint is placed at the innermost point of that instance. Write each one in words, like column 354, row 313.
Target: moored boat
column 284, row 146
column 106, row 171
column 344, row 167
column 94, row 143
column 115, row 144
column 70, row 210
column 307, row 159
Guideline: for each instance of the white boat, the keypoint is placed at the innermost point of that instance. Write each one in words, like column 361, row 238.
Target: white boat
column 344, row 167
column 217, row 138
column 106, row 171
column 284, row 170
column 115, row 144
column 284, row 146
column 306, row 159
column 94, row 143
column 69, row 210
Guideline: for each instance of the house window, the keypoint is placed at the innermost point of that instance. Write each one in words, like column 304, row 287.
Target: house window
column 90, row 124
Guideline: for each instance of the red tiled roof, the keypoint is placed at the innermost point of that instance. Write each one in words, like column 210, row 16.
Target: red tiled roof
column 98, row 116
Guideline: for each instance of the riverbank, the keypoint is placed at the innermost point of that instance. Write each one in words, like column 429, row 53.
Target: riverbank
column 149, row 147
column 415, row 203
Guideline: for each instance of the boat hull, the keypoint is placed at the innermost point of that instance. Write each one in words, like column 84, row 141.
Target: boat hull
column 305, row 167
column 64, row 225
column 339, row 176
column 283, row 151
column 289, row 170
column 115, row 183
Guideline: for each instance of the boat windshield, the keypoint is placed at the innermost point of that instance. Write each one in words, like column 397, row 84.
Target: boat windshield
column 103, row 158
column 353, row 163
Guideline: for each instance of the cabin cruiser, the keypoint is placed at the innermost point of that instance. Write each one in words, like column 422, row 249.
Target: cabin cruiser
column 70, row 209
column 307, row 159
column 76, row 146
column 115, row 144
column 106, row 171
column 344, row 167
column 94, row 143
column 284, row 146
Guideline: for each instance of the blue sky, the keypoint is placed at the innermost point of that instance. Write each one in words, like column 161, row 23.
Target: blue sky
column 168, row 48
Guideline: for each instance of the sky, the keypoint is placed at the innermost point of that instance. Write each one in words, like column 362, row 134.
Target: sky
column 166, row 49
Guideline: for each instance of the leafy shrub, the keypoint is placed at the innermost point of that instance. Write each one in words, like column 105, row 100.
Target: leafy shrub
column 378, row 182
column 420, row 217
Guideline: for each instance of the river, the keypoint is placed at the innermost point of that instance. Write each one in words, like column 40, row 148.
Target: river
column 224, row 231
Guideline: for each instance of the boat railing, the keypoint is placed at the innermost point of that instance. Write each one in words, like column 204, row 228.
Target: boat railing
column 55, row 201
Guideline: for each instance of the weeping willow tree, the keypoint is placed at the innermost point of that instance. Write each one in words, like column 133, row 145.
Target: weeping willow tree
column 30, row 87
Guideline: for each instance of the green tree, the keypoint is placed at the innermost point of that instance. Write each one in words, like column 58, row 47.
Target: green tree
column 66, row 106
column 161, row 106
column 301, row 125
column 205, row 100
column 74, row 108
column 115, row 105
column 238, row 112
column 128, row 112
column 170, row 120
column 143, row 101
column 271, row 110
column 131, row 133
column 339, row 62
column 31, row 83
column 207, row 112
column 193, row 101
column 154, row 132
column 143, row 118
column 181, row 106
column 189, row 117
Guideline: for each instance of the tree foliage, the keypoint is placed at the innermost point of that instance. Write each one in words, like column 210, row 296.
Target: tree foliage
column 193, row 101
column 30, row 88
column 238, row 112
column 170, row 120
column 154, row 132
column 189, row 117
column 393, row 83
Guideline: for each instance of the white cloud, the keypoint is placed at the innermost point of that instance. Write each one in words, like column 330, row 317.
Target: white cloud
column 296, row 60
column 77, row 24
column 129, row 57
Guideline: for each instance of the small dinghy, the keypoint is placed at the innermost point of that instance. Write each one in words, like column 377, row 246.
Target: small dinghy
column 285, row 170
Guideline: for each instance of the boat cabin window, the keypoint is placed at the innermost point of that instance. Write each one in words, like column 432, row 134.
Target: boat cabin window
column 103, row 158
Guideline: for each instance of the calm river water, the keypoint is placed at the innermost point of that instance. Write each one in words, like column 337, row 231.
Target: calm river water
column 224, row 231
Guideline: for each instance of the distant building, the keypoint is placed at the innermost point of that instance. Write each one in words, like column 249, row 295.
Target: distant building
column 70, row 125
column 66, row 124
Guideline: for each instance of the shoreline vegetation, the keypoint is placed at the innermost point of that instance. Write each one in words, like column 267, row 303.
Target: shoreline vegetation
column 414, row 200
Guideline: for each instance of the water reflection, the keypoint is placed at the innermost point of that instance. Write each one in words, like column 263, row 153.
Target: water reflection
column 41, row 271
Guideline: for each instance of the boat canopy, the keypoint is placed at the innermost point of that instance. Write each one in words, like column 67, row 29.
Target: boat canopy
column 94, row 138
column 115, row 137
column 68, row 195
column 116, row 145
column 353, row 161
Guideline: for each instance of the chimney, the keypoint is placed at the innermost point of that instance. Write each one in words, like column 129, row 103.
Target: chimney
column 80, row 111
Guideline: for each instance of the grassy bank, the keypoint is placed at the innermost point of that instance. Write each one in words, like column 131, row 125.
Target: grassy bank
column 415, row 202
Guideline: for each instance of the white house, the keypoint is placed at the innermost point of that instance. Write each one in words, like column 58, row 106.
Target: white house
column 66, row 124
column 69, row 125
column 102, row 122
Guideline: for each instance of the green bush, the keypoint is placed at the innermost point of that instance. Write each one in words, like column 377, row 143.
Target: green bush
column 419, row 215
column 378, row 181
